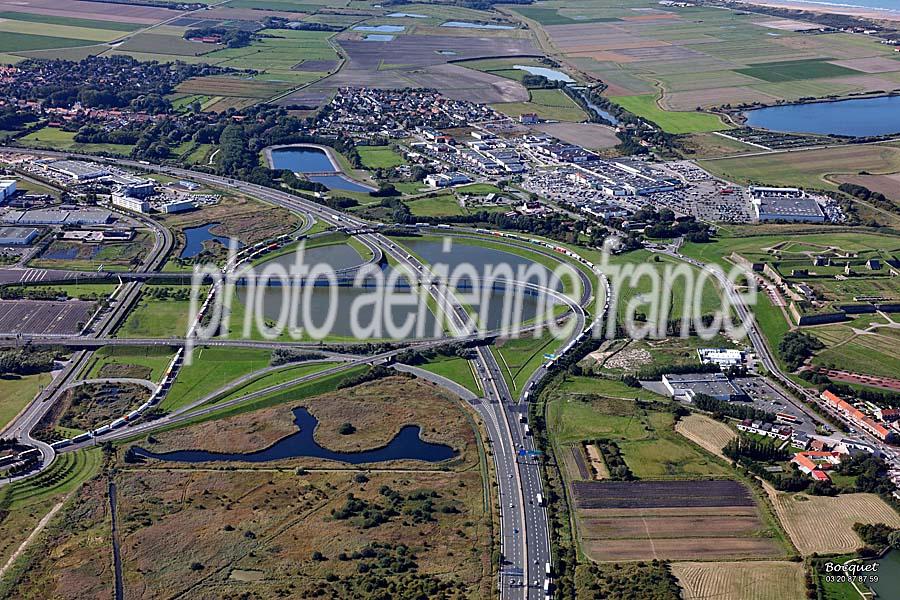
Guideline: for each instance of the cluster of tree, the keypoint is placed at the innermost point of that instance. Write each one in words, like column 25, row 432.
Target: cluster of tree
column 95, row 134
column 877, row 535
column 231, row 37
column 627, row 581
column 743, row 448
column 372, row 374
column 283, row 23
column 103, row 82
column 537, row 81
column 290, row 179
column 13, row 119
column 664, row 224
column 615, row 462
column 16, row 293
column 363, row 513
column 26, row 361
column 871, row 474
column 283, row 356
column 720, row 409
column 795, row 347
column 656, row 372
column 416, row 356
column 876, row 198
column 168, row 293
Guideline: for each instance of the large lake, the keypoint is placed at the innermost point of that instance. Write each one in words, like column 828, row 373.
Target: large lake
column 406, row 445
column 858, row 117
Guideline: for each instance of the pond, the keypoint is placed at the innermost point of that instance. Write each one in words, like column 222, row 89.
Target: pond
column 468, row 25
column 303, row 159
column 339, row 182
column 378, row 37
column 403, row 15
column 406, row 445
column 550, row 74
column 888, row 584
column 195, row 236
column 858, row 117
column 380, row 28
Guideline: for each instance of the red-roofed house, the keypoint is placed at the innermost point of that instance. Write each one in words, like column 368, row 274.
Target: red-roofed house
column 816, row 463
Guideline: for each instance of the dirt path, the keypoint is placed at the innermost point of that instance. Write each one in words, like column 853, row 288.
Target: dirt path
column 40, row 527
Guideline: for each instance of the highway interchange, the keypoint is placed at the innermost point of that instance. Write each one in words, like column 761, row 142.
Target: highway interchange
column 524, row 527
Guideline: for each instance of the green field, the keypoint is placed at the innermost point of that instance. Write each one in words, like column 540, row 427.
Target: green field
column 67, row 472
column 316, row 387
column 519, row 358
column 121, row 358
column 645, row 106
column 69, row 21
column 16, row 393
column 155, row 318
column 455, row 369
column 58, row 139
column 646, row 437
column 550, row 104
column 20, row 42
column 379, row 157
column 793, row 70
column 807, row 168
column 283, row 375
column 212, row 368
column 440, row 206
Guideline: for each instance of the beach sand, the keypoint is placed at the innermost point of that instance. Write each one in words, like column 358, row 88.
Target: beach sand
column 873, row 14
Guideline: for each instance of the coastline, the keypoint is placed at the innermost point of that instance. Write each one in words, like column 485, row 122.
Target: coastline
column 836, row 8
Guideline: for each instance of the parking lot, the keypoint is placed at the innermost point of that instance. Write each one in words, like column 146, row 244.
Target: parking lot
column 47, row 317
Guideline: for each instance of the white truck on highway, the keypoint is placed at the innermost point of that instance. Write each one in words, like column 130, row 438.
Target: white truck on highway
column 540, row 499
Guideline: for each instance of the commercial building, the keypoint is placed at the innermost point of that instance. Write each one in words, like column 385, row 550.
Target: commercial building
column 440, row 180
column 7, row 189
column 724, row 357
column 689, row 386
column 784, row 204
column 78, row 170
column 128, row 203
column 17, row 236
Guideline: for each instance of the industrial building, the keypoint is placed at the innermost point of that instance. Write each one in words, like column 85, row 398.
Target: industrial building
column 688, row 386
column 7, row 189
column 17, row 236
column 59, row 216
column 178, row 206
